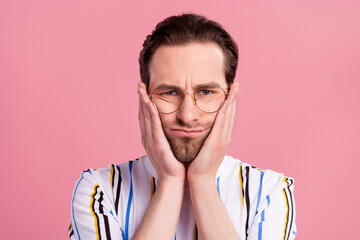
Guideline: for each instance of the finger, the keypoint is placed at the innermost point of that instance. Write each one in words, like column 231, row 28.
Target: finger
column 224, row 122
column 153, row 125
column 233, row 114
column 234, row 89
column 143, row 93
column 155, row 117
column 230, row 116
column 231, row 109
column 141, row 108
column 146, row 106
column 146, row 100
column 149, row 117
column 142, row 123
column 222, row 114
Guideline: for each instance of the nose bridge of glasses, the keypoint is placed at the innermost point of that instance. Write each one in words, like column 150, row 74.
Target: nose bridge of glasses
column 192, row 97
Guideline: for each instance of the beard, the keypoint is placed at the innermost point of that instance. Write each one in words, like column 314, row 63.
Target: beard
column 186, row 149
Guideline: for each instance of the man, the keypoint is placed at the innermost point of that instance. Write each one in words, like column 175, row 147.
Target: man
column 186, row 187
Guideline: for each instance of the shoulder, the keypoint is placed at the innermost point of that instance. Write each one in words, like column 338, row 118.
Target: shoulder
column 255, row 178
column 264, row 193
column 107, row 176
column 92, row 181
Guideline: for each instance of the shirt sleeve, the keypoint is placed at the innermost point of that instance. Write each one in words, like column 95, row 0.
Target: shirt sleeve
column 92, row 210
column 275, row 219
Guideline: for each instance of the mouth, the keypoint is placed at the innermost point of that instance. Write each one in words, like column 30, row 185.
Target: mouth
column 190, row 133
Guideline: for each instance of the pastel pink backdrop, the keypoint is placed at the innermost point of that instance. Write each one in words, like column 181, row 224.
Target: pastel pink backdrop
column 68, row 101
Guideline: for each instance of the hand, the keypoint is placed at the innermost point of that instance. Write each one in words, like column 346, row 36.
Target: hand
column 155, row 143
column 205, row 165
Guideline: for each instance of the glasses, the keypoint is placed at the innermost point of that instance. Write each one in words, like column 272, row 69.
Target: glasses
column 207, row 99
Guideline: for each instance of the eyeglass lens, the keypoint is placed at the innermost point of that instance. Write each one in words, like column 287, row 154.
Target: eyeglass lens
column 209, row 99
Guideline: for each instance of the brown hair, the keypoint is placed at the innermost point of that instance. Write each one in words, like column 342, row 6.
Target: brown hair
column 185, row 29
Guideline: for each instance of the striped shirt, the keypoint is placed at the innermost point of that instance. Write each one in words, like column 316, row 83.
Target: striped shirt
column 109, row 203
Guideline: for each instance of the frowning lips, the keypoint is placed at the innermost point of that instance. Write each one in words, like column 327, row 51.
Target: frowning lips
column 186, row 132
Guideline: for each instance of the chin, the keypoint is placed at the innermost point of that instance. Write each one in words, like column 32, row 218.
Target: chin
column 186, row 149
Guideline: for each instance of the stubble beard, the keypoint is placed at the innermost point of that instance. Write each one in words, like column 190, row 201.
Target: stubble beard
column 186, row 149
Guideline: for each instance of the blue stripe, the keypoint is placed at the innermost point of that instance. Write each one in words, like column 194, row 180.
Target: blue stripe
column 260, row 190
column 112, row 214
column 129, row 204
column 260, row 225
column 122, row 233
column 263, row 219
column 259, row 195
column 77, row 185
column 217, row 184
column 257, row 207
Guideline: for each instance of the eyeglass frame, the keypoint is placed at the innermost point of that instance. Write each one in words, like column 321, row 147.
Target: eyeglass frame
column 193, row 98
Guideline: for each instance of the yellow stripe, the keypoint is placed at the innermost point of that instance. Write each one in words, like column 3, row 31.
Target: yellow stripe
column 287, row 207
column 152, row 187
column 93, row 213
column 69, row 226
column 112, row 174
column 241, row 184
column 285, row 181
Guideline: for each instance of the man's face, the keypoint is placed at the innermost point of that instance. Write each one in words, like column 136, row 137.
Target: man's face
column 187, row 67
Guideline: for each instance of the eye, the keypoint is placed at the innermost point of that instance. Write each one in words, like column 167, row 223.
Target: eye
column 169, row 93
column 204, row 92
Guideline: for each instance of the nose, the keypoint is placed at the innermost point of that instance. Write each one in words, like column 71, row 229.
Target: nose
column 188, row 111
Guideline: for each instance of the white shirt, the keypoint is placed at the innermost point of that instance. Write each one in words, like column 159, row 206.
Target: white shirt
column 109, row 203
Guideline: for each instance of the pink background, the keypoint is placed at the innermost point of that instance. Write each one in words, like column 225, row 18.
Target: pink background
column 68, row 101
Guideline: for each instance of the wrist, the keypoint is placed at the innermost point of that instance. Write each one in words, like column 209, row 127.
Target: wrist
column 170, row 183
column 201, row 180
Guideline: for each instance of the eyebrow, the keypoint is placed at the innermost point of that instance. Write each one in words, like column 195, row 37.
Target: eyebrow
column 202, row 85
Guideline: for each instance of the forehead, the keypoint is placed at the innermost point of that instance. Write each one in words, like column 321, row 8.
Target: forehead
column 187, row 66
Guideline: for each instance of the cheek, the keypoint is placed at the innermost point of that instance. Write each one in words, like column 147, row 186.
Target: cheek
column 167, row 120
column 209, row 118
